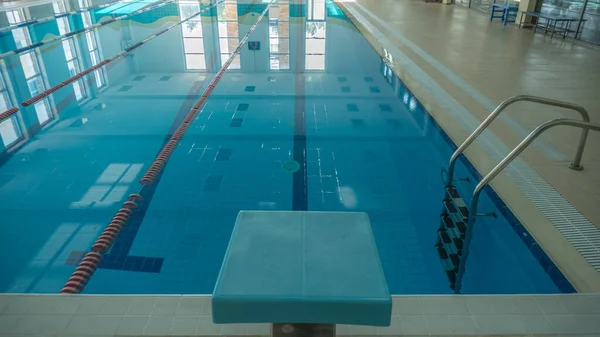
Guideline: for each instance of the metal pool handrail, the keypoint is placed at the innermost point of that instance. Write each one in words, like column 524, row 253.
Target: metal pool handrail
column 575, row 165
column 586, row 126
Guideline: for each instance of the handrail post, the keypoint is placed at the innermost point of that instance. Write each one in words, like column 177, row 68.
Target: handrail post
column 575, row 165
column 586, row 126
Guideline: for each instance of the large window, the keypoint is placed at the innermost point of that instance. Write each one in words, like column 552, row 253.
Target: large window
column 315, row 35
column 279, row 35
column 193, row 42
column 92, row 43
column 31, row 66
column 71, row 52
column 227, row 21
column 10, row 132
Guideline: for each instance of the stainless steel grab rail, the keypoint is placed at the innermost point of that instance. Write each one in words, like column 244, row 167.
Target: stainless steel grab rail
column 575, row 165
column 586, row 126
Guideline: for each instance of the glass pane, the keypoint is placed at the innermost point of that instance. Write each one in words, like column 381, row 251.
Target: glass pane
column 192, row 29
column 69, row 49
column 224, row 44
column 9, row 131
column 29, row 64
column 315, row 46
column 284, row 29
column 87, row 20
column 274, row 13
column 187, row 10
column 63, row 25
column 21, row 37
column 315, row 29
column 273, row 29
column 99, row 76
column 95, row 58
column 228, row 29
column 315, row 62
column 78, row 89
column 195, row 61
column 35, row 86
column 319, row 10
column 227, row 12
column 193, row 45
column 91, row 41
column 274, row 62
column 591, row 27
column 73, row 67
column 3, row 102
column 42, row 111
column 274, row 42
column 235, row 64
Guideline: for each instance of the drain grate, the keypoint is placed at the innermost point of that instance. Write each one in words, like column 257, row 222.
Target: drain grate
column 125, row 88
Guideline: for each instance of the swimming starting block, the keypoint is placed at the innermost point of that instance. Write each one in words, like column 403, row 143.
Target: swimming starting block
column 299, row 270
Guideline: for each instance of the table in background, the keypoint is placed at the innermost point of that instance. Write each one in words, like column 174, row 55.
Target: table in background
column 551, row 23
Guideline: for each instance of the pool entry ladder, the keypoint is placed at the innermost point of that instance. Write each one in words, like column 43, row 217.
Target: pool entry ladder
column 458, row 219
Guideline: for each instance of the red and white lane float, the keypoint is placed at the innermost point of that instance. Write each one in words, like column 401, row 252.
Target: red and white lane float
column 8, row 113
column 82, row 273
column 90, row 262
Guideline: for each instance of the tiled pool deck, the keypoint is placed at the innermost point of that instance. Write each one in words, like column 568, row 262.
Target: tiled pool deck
column 89, row 315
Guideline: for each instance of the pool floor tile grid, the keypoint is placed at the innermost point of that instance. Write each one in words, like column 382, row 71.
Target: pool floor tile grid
column 503, row 315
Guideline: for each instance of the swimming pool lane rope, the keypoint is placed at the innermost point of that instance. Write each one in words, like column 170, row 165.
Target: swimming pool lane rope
column 122, row 54
column 83, row 30
column 58, row 16
column 8, row 113
column 90, row 262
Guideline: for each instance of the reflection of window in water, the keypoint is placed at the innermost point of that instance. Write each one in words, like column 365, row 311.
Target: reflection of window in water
column 315, row 35
column 10, row 131
column 227, row 17
column 110, row 187
column 32, row 68
column 92, row 43
column 193, row 42
column 71, row 52
column 279, row 35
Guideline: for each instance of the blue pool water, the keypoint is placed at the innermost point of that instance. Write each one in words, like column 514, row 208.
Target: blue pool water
column 314, row 120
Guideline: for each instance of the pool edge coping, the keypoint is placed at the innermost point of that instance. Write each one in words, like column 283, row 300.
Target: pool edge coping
column 415, row 315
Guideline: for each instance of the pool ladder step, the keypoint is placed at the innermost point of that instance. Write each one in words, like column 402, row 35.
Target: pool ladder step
column 451, row 233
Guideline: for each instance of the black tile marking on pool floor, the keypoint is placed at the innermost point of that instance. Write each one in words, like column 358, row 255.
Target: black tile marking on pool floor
column 118, row 257
column 352, row 107
column 242, row 107
column 342, row 79
column 223, row 154
column 385, row 107
column 368, row 79
column 125, row 88
column 345, row 88
column 236, row 122
column 300, row 176
column 374, row 89
column 139, row 78
column 165, row 78
column 250, row 88
column 212, row 183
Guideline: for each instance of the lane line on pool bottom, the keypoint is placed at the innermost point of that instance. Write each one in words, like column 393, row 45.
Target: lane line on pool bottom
column 91, row 261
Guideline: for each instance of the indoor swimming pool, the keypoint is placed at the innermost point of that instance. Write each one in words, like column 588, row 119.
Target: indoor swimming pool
column 309, row 116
